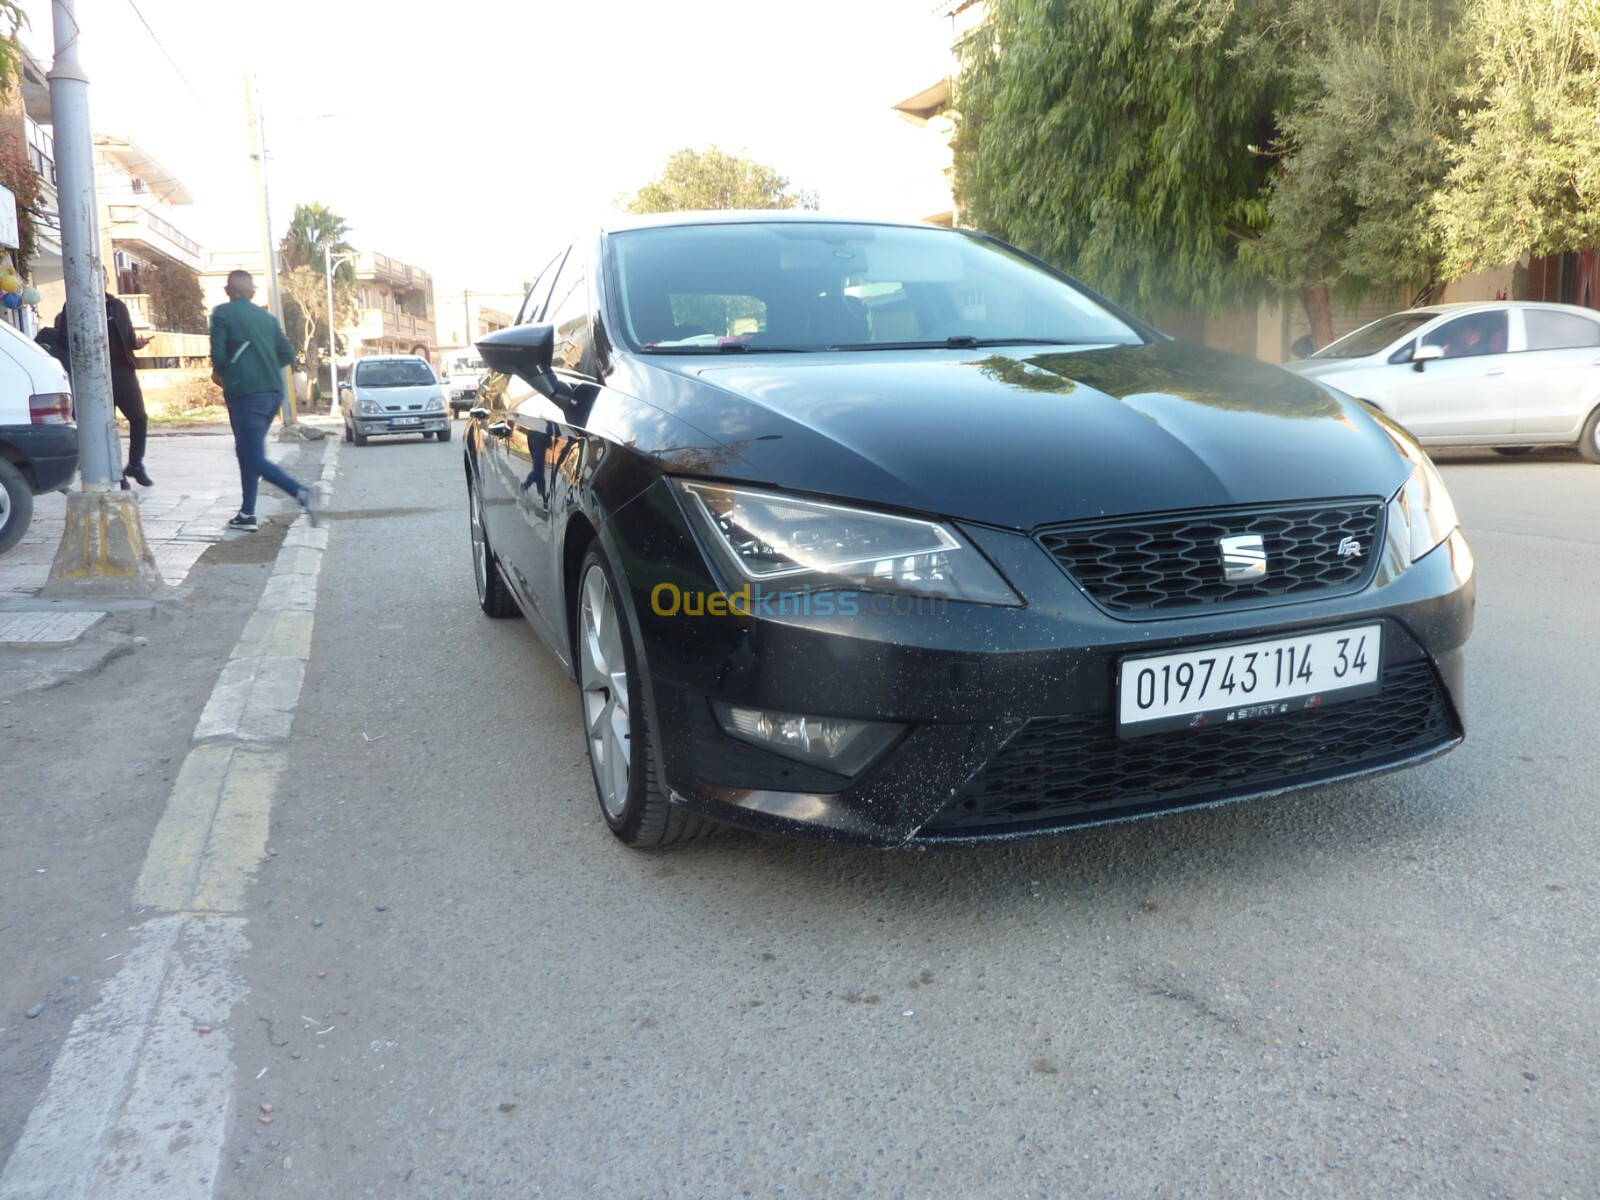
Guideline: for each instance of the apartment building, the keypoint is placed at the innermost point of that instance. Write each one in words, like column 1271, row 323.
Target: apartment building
column 395, row 300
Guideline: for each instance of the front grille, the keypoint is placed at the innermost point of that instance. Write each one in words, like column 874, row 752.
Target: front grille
column 1151, row 566
column 1061, row 771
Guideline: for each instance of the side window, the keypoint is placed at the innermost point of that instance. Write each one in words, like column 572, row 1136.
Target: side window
column 1550, row 330
column 534, row 302
column 1471, row 335
column 569, row 313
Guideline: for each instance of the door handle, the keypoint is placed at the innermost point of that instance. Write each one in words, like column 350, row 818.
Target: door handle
column 501, row 429
column 1496, row 371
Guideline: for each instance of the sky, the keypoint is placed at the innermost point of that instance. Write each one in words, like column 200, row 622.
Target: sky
column 473, row 138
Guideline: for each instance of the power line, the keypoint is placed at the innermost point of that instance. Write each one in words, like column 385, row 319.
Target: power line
column 163, row 50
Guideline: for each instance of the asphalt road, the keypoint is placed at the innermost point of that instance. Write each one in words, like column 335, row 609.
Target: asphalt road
column 458, row 984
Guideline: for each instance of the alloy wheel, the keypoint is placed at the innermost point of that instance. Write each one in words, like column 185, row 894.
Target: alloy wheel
column 603, row 673
column 480, row 544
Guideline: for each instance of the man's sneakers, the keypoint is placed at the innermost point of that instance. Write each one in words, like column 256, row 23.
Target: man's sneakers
column 311, row 501
column 244, row 522
column 137, row 473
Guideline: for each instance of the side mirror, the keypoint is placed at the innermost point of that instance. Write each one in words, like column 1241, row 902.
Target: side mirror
column 1426, row 354
column 526, row 351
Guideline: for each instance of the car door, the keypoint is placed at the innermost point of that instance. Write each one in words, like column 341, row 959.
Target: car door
column 1465, row 396
column 542, row 440
column 498, row 396
column 1557, row 373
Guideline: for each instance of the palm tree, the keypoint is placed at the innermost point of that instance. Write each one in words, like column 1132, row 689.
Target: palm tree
column 312, row 229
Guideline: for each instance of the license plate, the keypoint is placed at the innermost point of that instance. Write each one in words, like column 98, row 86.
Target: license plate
column 405, row 421
column 1221, row 684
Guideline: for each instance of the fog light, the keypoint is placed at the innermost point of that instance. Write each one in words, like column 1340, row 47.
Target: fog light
column 844, row 746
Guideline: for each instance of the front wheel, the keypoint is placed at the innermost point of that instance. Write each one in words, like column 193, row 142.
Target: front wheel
column 16, row 506
column 443, row 435
column 1589, row 443
column 617, row 731
column 494, row 597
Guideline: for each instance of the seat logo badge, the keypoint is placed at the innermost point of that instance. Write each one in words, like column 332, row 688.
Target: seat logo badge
column 1349, row 548
column 1244, row 557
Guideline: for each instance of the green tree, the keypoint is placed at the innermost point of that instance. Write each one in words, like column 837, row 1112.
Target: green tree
column 1361, row 151
column 313, row 229
column 176, row 301
column 1114, row 137
column 1525, row 173
column 695, row 180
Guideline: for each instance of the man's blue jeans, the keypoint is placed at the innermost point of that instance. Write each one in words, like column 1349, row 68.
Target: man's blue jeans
column 251, row 417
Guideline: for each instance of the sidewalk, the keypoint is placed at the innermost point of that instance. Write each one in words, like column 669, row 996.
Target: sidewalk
column 196, row 491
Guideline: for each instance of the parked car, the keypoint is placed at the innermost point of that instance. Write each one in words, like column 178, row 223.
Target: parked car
column 1508, row 375
column 461, row 377
column 392, row 394
column 893, row 534
column 38, row 438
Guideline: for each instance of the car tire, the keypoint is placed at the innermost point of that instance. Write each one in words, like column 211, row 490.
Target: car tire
column 443, row 435
column 348, row 436
column 16, row 506
column 494, row 597
column 615, row 726
column 1589, row 443
column 1512, row 451
column 359, row 438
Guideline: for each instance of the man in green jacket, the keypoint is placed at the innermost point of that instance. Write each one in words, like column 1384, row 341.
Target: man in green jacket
column 248, row 355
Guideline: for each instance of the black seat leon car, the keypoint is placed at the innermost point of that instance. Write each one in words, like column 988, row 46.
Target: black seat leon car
column 893, row 534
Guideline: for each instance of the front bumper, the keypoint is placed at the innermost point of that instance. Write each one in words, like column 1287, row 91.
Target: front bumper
column 383, row 426
column 1010, row 710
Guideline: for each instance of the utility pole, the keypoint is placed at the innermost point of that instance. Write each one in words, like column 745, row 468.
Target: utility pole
column 333, row 350
column 258, row 152
column 103, row 548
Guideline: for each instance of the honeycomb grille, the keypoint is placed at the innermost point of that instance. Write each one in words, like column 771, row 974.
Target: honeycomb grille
column 1064, row 770
column 1151, row 566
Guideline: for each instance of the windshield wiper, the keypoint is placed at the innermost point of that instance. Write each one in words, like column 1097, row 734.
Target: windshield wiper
column 964, row 342
column 722, row 348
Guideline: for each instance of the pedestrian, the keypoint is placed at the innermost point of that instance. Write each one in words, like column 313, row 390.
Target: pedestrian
column 126, row 393
column 248, row 354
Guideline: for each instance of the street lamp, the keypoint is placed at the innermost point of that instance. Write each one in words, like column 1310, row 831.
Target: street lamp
column 329, row 258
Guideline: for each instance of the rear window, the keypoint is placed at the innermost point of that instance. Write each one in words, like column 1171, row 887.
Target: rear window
column 1550, row 330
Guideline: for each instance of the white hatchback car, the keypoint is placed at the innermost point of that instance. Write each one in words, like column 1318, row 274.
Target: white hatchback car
column 392, row 394
column 1510, row 375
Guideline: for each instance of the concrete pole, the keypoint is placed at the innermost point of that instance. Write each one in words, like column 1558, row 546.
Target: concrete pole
column 102, row 549
column 99, row 449
column 333, row 341
column 258, row 152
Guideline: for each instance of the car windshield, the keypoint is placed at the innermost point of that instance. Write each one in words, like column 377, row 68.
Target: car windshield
column 1370, row 339
column 815, row 285
column 404, row 373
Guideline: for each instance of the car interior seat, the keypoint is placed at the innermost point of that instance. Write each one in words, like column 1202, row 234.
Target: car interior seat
column 835, row 319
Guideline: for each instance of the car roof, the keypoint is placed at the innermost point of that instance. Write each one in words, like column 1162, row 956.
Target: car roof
column 740, row 216
column 1460, row 306
column 366, row 358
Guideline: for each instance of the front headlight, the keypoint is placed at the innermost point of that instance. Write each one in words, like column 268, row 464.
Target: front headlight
column 368, row 406
column 435, row 401
column 1421, row 513
column 789, row 542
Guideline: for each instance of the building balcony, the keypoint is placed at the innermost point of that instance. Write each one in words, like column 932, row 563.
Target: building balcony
column 383, row 269
column 381, row 325
column 140, row 228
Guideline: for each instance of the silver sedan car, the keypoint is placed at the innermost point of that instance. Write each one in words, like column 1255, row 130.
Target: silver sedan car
column 392, row 394
column 1509, row 375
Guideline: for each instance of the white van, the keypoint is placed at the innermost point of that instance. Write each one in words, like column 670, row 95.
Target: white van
column 463, row 372
column 38, row 436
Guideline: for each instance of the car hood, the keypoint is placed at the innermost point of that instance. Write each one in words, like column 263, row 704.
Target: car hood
column 1023, row 439
column 1325, row 368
